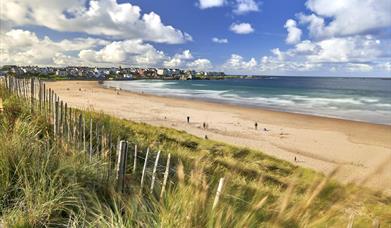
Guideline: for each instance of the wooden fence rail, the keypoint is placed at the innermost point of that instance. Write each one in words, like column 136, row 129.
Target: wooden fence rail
column 73, row 129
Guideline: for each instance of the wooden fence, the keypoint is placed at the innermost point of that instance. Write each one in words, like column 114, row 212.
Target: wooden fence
column 72, row 128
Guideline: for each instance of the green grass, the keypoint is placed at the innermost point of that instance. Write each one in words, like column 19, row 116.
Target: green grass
column 46, row 183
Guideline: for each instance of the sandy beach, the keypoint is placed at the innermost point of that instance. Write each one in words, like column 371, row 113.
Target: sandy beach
column 359, row 149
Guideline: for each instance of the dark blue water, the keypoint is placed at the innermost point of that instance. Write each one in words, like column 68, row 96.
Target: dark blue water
column 363, row 99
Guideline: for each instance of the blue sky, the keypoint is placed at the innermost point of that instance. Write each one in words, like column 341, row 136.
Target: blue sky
column 274, row 37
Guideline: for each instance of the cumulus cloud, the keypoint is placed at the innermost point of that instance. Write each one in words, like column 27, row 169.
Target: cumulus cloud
column 186, row 54
column 236, row 63
column 178, row 60
column 351, row 17
column 127, row 52
column 242, row 28
column 344, row 36
column 245, row 6
column 347, row 49
column 24, row 47
column 200, row 64
column 352, row 54
column 104, row 17
column 220, row 40
column 204, row 4
column 294, row 33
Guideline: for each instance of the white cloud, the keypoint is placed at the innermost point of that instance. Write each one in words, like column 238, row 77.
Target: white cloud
column 352, row 54
column 385, row 67
column 344, row 37
column 25, row 48
column 279, row 54
column 220, row 40
column 242, row 28
column 200, row 64
column 347, row 49
column 245, row 6
column 306, row 47
column 349, row 17
column 360, row 67
column 173, row 63
column 294, row 33
column 104, row 17
column 236, row 64
column 178, row 60
column 186, row 54
column 127, row 52
column 204, row 4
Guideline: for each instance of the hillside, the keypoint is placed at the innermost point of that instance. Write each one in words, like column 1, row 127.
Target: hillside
column 65, row 174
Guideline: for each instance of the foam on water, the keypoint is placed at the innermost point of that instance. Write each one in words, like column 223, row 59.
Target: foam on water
column 332, row 98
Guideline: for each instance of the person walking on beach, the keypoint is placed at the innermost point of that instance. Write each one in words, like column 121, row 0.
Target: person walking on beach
column 256, row 126
column 188, row 119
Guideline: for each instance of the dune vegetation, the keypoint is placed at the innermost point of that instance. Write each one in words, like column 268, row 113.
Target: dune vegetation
column 47, row 181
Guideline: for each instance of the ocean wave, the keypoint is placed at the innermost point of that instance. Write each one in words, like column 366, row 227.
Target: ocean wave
column 355, row 107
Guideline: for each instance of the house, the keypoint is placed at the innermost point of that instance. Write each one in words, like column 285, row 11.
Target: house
column 128, row 76
column 162, row 72
column 61, row 72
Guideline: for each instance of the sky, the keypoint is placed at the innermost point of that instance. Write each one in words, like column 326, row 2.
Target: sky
column 269, row 37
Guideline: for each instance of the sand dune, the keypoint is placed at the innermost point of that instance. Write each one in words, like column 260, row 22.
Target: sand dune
column 323, row 144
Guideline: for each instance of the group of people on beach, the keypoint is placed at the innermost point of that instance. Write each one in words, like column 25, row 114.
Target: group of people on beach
column 205, row 126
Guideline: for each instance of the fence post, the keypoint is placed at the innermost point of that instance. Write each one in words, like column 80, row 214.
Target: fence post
column 375, row 223
column 44, row 95
column 65, row 128
column 218, row 193
column 32, row 94
column 50, row 100
column 351, row 221
column 61, row 119
column 90, row 138
column 80, row 131
column 165, row 175
column 154, row 171
column 109, row 167
column 40, row 95
column 56, row 119
column 144, row 168
column 135, row 159
column 84, row 135
column 121, row 164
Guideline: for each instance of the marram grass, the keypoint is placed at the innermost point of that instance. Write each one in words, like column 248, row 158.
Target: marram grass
column 46, row 184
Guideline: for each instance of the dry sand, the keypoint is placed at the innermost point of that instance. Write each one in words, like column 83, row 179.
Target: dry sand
column 359, row 149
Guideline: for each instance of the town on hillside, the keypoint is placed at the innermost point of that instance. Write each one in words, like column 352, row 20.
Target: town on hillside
column 109, row 73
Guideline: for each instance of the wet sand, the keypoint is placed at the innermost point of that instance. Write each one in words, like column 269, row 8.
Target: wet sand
column 359, row 149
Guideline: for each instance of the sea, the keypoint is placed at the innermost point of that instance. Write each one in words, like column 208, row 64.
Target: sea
column 360, row 99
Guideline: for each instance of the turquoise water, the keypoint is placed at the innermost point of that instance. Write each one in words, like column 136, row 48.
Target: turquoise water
column 362, row 99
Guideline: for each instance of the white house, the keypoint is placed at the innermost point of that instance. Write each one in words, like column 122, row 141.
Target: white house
column 162, row 72
column 128, row 76
column 61, row 72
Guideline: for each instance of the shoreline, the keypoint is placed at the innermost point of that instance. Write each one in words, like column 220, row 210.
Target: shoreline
column 251, row 107
column 320, row 143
